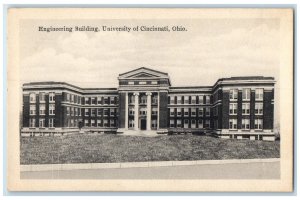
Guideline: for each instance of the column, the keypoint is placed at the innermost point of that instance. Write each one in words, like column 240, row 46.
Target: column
column 148, row 110
column 126, row 111
column 136, row 111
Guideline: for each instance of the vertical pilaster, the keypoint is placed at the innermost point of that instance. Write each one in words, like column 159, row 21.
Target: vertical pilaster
column 136, row 111
column 126, row 111
column 158, row 110
column 148, row 110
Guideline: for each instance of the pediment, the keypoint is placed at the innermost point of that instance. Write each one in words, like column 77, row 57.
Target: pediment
column 143, row 72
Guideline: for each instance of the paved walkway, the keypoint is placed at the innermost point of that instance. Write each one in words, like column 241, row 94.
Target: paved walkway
column 261, row 170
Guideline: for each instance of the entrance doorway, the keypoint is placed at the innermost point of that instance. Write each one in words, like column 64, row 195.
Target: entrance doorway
column 143, row 124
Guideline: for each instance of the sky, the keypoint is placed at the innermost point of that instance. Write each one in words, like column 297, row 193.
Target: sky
column 210, row 49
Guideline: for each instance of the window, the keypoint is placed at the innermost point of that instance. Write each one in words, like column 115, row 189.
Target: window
column 172, row 113
column 98, row 122
column 246, row 108
column 112, row 112
column 32, row 122
column 51, row 109
column 32, row 97
column 42, row 97
column 186, row 112
column 93, row 112
column 207, row 123
column 193, row 99
column 93, row 100
column 72, row 123
column 68, row 97
column 99, row 100
column 131, row 111
column 186, row 123
column 200, row 112
column 86, row 122
column 142, row 83
column 75, row 98
column 154, row 82
column 86, row 100
column 105, row 100
column 178, row 112
column 232, row 124
column 246, row 94
column 42, row 123
column 154, row 111
column 143, row 111
column 32, row 110
column 42, row 109
column 72, row 111
column 99, row 112
column 106, row 112
column 112, row 100
column 131, row 99
column 193, row 123
column 51, row 97
column 75, row 112
column 154, row 123
column 112, row 123
column 200, row 123
column 193, row 112
column 143, row 99
column 86, row 112
column 79, row 100
column 130, row 83
column 259, row 108
column 259, row 94
column 131, row 123
column 72, row 97
column 258, row 124
column 207, row 112
column 172, row 99
column 207, row 101
column 178, row 123
column 93, row 122
column 154, row 99
column 179, row 98
column 245, row 124
column 186, row 99
column 233, row 109
column 105, row 123
column 79, row 111
column 233, row 94
column 201, row 99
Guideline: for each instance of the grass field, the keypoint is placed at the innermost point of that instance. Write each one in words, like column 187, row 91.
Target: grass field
column 108, row 148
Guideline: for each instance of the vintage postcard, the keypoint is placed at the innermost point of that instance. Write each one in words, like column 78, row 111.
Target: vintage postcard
column 123, row 99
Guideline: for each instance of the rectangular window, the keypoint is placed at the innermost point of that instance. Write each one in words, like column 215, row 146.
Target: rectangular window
column 154, row 124
column 178, row 112
column 42, row 97
column 201, row 99
column 93, row 123
column 259, row 94
column 200, row 112
column 178, row 123
column 142, row 83
column 99, row 100
column 51, row 97
column 112, row 123
column 207, row 112
column 93, row 112
column 86, row 100
column 207, row 123
column 32, row 122
column 131, row 123
column 32, row 97
column 75, row 112
column 86, row 122
column 233, row 108
column 51, row 123
column 154, row 111
column 112, row 112
column 72, row 97
column 232, row 124
column 112, row 100
column 172, row 99
column 186, row 100
column 79, row 111
column 154, row 99
column 143, row 99
column 246, row 94
column 233, row 94
column 99, row 112
column 245, row 124
column 179, row 98
column 105, row 100
column 131, row 111
column 106, row 112
column 143, row 111
column 258, row 108
column 200, row 123
column 86, row 112
column 79, row 100
column 186, row 112
column 98, row 122
column 258, row 124
column 246, row 108
column 42, row 123
column 130, row 82
column 72, row 111
column 207, row 100
column 93, row 100
column 68, row 97
column 68, row 110
column 193, row 112
column 154, row 82
column 186, row 123
column 172, row 113
column 42, row 109
column 51, row 109
column 193, row 99
column 32, row 110
column 105, row 123
column 193, row 123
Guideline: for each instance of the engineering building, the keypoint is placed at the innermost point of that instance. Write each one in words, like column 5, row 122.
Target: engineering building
column 236, row 107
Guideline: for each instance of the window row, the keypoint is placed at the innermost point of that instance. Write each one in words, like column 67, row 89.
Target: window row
column 73, row 98
column 100, row 112
column 189, row 123
column 142, row 111
column 101, row 100
column 246, row 94
column 258, row 124
column 32, row 123
column 100, row 123
column 189, row 112
column 199, row 99
column 42, row 109
column 258, row 109
column 42, row 97
column 153, row 123
column 143, row 99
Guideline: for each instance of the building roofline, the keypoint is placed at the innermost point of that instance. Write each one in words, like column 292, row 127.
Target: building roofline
column 143, row 68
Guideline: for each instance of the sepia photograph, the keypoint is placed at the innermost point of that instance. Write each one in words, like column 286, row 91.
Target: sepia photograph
column 150, row 99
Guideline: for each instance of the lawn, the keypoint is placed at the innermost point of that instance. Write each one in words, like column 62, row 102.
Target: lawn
column 109, row 148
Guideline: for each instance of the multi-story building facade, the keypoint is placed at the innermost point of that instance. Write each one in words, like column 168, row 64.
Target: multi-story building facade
column 236, row 107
